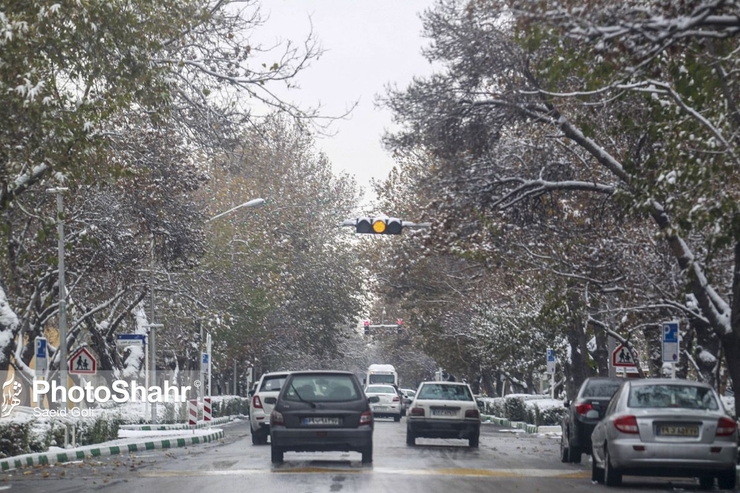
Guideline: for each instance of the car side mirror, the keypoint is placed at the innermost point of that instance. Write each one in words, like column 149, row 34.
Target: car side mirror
column 270, row 400
column 373, row 399
column 250, row 393
column 566, row 403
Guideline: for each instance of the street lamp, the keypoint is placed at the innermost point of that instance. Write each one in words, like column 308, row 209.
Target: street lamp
column 251, row 203
column 62, row 289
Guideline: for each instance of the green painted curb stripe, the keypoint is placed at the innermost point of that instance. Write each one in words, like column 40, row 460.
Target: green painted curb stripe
column 176, row 426
column 47, row 459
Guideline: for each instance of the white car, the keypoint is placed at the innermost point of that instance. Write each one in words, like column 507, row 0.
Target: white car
column 443, row 410
column 389, row 403
column 261, row 404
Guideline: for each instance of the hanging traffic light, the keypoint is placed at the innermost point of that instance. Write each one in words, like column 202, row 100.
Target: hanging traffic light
column 379, row 225
column 367, row 327
column 382, row 225
column 399, row 327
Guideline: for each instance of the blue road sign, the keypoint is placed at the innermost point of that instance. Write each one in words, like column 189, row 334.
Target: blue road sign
column 670, row 346
column 204, row 359
column 132, row 339
column 550, row 355
column 670, row 332
column 41, row 347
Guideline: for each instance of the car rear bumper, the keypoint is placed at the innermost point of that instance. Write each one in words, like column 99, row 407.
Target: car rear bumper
column 386, row 410
column 321, row 439
column 443, row 428
column 672, row 458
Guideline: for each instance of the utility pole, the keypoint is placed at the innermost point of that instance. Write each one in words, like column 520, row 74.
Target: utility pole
column 62, row 289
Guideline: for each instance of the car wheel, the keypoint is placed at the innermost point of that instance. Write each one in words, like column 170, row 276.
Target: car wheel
column 727, row 480
column 612, row 476
column 473, row 440
column 276, row 455
column 563, row 449
column 410, row 438
column 706, row 482
column 574, row 454
column 397, row 418
column 597, row 474
column 255, row 436
column 367, row 454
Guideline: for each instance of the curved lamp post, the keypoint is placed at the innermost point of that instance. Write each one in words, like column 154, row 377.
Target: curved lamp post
column 251, row 203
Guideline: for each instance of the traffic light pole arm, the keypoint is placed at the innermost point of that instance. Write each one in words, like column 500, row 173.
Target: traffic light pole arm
column 407, row 224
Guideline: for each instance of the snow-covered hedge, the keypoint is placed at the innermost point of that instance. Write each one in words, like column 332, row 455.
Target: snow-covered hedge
column 533, row 409
column 29, row 431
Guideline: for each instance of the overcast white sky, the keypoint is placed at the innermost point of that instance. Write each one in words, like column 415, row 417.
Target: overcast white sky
column 367, row 44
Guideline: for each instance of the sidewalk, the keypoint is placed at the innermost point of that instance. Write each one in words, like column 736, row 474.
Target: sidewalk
column 149, row 437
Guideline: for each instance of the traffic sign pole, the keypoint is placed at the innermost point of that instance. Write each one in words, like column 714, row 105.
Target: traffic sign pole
column 670, row 345
column 551, row 370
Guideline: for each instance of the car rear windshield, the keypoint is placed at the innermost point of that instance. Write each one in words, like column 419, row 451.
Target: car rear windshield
column 682, row 396
column 600, row 389
column 322, row 388
column 273, row 384
column 445, row 392
column 380, row 389
column 381, row 379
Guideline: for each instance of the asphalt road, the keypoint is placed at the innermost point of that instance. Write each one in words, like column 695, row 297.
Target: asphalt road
column 504, row 462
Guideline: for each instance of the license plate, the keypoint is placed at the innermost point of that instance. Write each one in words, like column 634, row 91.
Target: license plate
column 444, row 412
column 320, row 421
column 678, row 431
column 380, row 408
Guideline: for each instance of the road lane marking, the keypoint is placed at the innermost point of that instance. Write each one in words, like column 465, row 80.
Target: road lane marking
column 497, row 473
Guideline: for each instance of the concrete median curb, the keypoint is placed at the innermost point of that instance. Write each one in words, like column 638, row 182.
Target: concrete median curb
column 176, row 426
column 45, row 458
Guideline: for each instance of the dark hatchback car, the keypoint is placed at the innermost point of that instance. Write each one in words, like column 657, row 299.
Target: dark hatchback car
column 584, row 412
column 319, row 411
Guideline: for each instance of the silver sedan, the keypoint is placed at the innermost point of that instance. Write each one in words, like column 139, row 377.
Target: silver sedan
column 663, row 427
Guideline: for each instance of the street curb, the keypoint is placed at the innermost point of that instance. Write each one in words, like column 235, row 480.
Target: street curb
column 99, row 451
column 176, row 426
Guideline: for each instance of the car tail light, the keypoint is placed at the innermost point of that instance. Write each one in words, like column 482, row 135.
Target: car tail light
column 417, row 411
column 276, row 418
column 626, row 424
column 726, row 427
column 256, row 402
column 472, row 413
column 366, row 418
column 396, row 399
column 584, row 408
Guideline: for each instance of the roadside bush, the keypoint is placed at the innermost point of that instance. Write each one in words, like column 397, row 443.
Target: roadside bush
column 101, row 429
column 15, row 439
column 515, row 409
column 230, row 406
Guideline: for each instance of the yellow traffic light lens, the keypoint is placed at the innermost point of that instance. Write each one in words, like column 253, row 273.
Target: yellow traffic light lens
column 379, row 226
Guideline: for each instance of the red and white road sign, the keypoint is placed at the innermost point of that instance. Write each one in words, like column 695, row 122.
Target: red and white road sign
column 207, row 410
column 193, row 412
column 623, row 357
column 82, row 362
